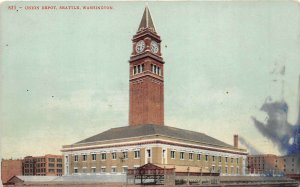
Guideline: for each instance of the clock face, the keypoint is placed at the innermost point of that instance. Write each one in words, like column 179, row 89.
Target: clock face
column 154, row 47
column 140, row 46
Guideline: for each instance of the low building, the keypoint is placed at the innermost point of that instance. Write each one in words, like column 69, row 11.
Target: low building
column 10, row 168
column 273, row 164
column 264, row 163
column 48, row 165
column 119, row 149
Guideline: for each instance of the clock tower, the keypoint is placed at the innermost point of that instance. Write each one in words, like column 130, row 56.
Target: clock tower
column 146, row 100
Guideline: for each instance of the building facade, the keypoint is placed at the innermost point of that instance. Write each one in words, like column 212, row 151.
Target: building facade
column 146, row 139
column 291, row 164
column 48, row 165
column 10, row 168
column 264, row 163
column 272, row 164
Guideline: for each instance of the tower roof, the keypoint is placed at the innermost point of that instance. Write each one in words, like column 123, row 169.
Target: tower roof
column 146, row 21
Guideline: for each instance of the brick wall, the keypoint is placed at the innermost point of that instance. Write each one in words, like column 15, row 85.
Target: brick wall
column 10, row 168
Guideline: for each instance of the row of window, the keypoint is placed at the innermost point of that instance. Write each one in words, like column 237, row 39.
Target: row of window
column 155, row 69
column 40, row 165
column 125, row 169
column 138, row 69
column 103, row 170
column 103, row 156
column 172, row 155
column 43, row 160
column 43, row 170
column 53, row 165
column 199, row 157
column 141, row 68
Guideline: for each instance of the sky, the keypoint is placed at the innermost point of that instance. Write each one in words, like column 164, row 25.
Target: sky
column 65, row 73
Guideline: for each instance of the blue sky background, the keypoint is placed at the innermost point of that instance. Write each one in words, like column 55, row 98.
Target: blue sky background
column 74, row 63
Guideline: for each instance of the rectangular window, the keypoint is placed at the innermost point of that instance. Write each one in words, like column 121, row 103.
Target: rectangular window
column 59, row 160
column 143, row 67
column 114, row 155
column 51, row 165
column 75, row 170
column 237, row 170
column 94, row 156
column 113, row 169
column 149, row 153
column 125, row 169
column 220, row 159
column 226, row 169
column 138, row 67
column 173, row 154
column 76, row 158
column 198, row 156
column 181, row 155
column 134, row 70
column 103, row 156
column 93, row 170
column 84, row 157
column 191, row 156
column 59, row 165
column 231, row 160
column 206, row 157
column 125, row 155
column 213, row 168
column 237, row 160
column 103, row 170
column 51, row 159
column 136, row 154
column 164, row 153
column 226, row 159
column 213, row 158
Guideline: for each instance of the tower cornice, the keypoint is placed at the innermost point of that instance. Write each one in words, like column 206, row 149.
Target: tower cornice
column 144, row 34
column 146, row 54
column 147, row 74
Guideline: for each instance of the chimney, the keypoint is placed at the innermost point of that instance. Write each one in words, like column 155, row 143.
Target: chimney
column 236, row 140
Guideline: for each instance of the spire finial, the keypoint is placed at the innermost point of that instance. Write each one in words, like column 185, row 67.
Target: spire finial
column 146, row 22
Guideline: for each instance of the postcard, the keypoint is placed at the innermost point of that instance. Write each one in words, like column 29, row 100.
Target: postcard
column 219, row 79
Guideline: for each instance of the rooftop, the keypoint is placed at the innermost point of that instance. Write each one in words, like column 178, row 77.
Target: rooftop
column 150, row 129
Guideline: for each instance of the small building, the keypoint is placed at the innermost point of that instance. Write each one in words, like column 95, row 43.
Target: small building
column 264, row 163
column 270, row 164
column 48, row 165
column 10, row 168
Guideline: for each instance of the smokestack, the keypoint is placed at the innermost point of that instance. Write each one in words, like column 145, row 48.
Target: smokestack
column 236, row 140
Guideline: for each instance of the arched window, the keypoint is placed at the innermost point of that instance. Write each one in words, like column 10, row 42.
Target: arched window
column 134, row 70
column 139, row 68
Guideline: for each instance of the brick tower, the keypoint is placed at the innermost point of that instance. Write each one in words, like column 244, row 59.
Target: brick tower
column 146, row 100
